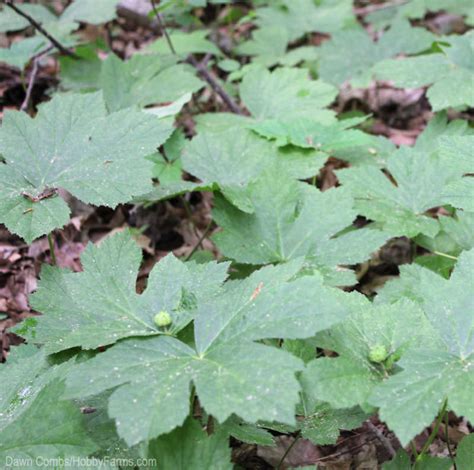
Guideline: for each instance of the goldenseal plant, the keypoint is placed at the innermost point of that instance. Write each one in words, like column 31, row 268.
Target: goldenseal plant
column 291, row 316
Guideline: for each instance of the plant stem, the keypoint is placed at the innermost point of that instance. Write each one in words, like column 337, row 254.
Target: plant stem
column 413, row 449
column 51, row 249
column 371, row 8
column 434, row 433
column 163, row 28
column 31, row 84
column 384, row 441
column 455, row 258
column 200, row 67
column 285, row 455
column 199, row 243
column 446, row 435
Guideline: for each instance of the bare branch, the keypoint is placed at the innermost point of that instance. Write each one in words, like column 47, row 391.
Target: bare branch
column 379, row 6
column 31, row 84
column 383, row 440
column 200, row 67
column 206, row 74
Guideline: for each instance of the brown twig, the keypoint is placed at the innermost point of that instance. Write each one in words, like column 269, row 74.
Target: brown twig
column 34, row 72
column 31, row 83
column 212, row 81
column 288, row 450
column 199, row 242
column 163, row 27
column 343, row 452
column 380, row 6
column 383, row 440
column 40, row 29
column 200, row 67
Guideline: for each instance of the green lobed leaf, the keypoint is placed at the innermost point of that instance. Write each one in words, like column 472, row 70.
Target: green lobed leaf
column 11, row 21
column 190, row 447
column 100, row 305
column 235, row 157
column 287, row 224
column 351, row 55
column 267, row 46
column 349, row 379
column 35, row 420
column 297, row 95
column 89, row 11
column 298, row 17
column 307, row 133
column 322, row 426
column 437, row 371
column 421, row 179
column 230, row 372
column 72, row 144
column 449, row 72
column 144, row 80
column 185, row 43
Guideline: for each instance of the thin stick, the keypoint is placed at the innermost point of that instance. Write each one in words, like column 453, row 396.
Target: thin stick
column 285, row 455
column 434, row 433
column 348, row 451
column 446, row 435
column 199, row 243
column 31, row 83
column 381, row 6
column 204, row 73
column 40, row 29
column 162, row 26
column 51, row 249
column 34, row 73
column 201, row 68
column 384, row 441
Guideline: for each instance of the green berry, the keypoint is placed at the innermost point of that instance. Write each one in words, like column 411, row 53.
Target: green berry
column 162, row 319
column 378, row 353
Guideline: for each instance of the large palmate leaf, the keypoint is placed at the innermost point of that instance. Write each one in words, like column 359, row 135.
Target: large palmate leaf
column 322, row 423
column 140, row 81
column 460, row 192
column 74, row 145
column 231, row 373
column 34, row 420
column 297, row 17
column 89, row 11
column 100, row 305
column 144, row 80
column 417, row 9
column 267, row 46
column 438, row 370
column 450, row 72
column 350, row 55
column 12, row 21
column 456, row 234
column 368, row 342
column 286, row 93
column 292, row 220
column 438, row 134
column 307, row 133
column 190, row 447
column 184, row 43
column 20, row 52
column 235, row 157
column 422, row 182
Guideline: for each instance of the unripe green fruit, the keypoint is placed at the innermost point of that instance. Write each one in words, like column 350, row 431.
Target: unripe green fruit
column 162, row 319
column 378, row 353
